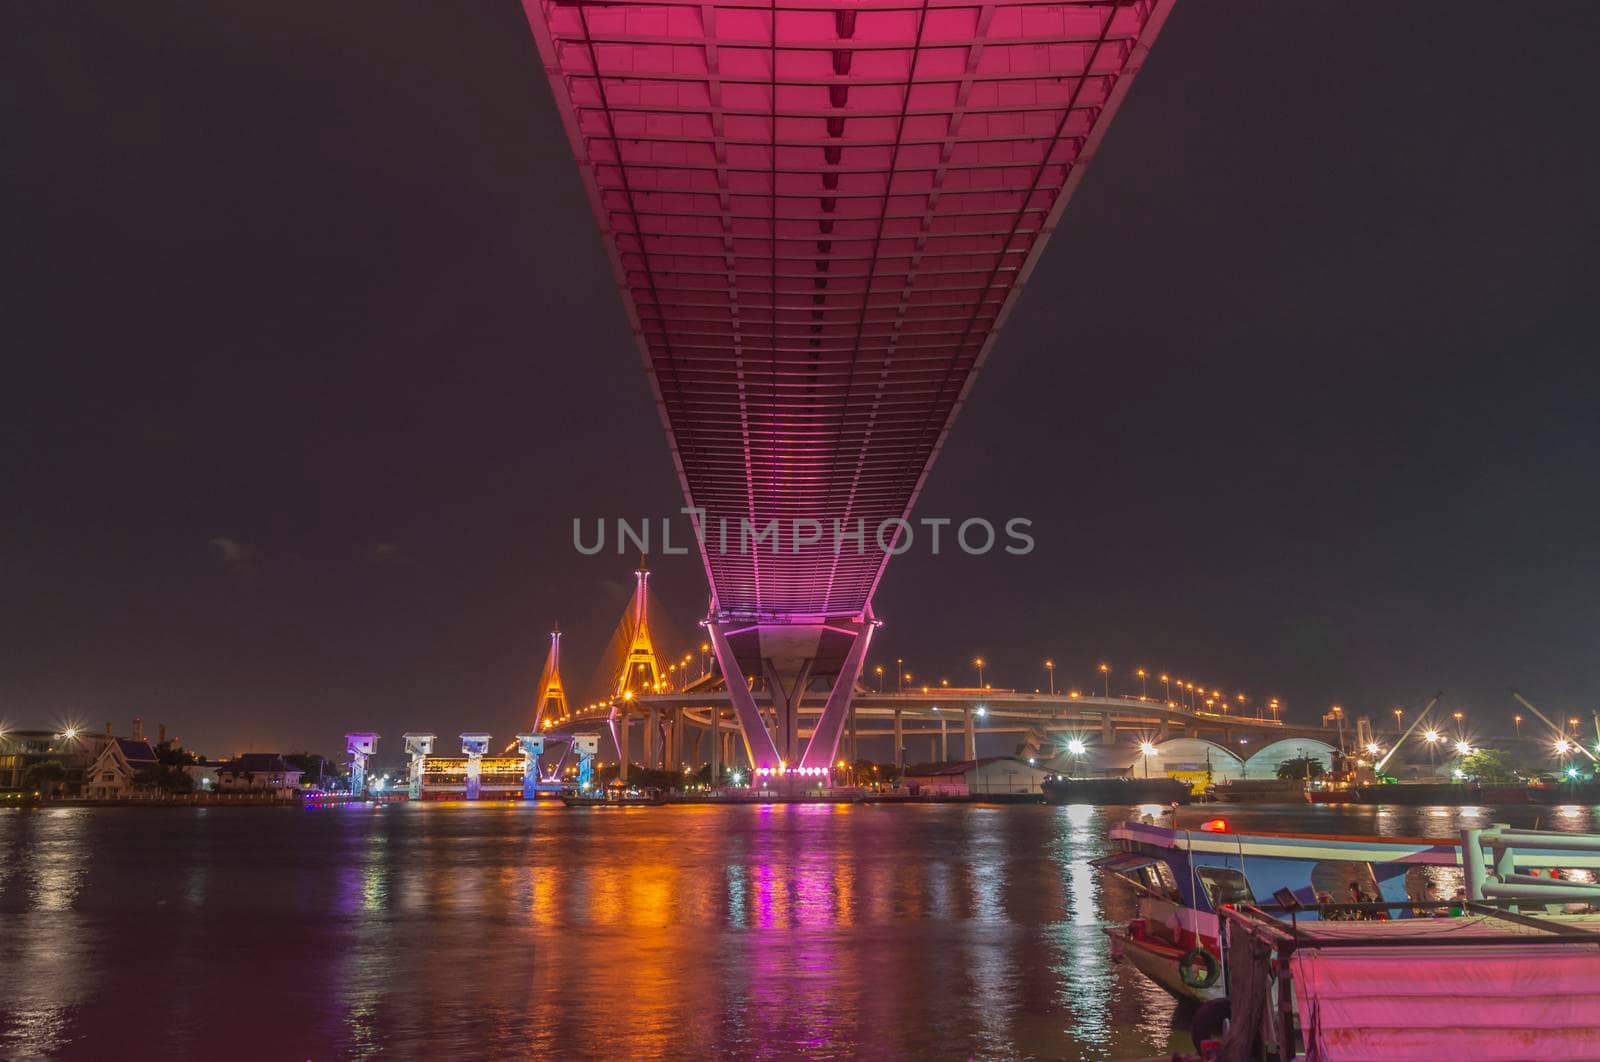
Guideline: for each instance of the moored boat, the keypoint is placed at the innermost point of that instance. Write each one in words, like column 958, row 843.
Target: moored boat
column 1062, row 790
column 1184, row 878
column 619, row 798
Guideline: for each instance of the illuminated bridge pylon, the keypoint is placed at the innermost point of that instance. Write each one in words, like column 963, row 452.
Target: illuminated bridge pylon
column 638, row 672
column 818, row 215
column 552, row 699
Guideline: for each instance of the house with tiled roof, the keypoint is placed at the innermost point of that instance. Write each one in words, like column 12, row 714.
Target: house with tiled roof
column 115, row 770
column 259, row 773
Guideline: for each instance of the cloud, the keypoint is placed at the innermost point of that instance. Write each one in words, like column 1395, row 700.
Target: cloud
column 233, row 552
column 383, row 552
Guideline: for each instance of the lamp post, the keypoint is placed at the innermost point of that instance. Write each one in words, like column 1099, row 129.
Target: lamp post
column 1398, row 713
column 879, row 672
column 1166, row 689
column 1143, row 689
column 1516, row 724
column 977, row 662
column 1050, row 668
column 1338, row 714
column 899, row 668
column 1105, row 674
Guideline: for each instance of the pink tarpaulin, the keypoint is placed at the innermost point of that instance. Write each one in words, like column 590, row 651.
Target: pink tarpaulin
column 1462, row 1003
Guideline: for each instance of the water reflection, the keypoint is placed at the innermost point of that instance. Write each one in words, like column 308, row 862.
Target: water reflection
column 935, row 931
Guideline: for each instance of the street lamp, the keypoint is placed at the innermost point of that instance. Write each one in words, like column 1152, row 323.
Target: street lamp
column 1146, row 749
column 1398, row 713
column 1050, row 666
column 879, row 672
column 1105, row 673
column 1143, row 690
column 899, row 666
column 977, row 662
column 1516, row 724
column 1166, row 689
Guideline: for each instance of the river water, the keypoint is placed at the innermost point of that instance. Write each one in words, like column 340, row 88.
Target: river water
column 505, row 931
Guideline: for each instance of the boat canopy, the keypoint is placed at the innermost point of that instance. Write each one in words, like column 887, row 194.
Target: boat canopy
column 1122, row 862
column 1490, row 1001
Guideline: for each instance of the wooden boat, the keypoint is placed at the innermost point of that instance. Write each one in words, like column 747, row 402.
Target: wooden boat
column 1487, row 982
column 1184, row 878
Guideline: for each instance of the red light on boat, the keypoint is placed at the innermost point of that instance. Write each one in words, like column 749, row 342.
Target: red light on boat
column 1215, row 826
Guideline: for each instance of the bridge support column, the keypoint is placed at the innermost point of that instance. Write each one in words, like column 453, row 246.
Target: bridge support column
column 899, row 742
column 824, row 743
column 715, row 753
column 855, row 746
column 786, row 709
column 944, row 740
column 1108, row 730
column 969, row 735
column 652, row 739
column 619, row 738
column 758, row 743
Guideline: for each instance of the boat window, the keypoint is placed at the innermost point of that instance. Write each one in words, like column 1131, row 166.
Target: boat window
column 1446, row 882
column 1333, row 878
column 1225, row 885
column 1159, row 880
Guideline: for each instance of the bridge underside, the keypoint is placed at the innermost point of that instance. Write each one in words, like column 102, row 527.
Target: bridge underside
column 819, row 213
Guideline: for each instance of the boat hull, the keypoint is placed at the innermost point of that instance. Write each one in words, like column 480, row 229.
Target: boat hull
column 1159, row 963
column 1117, row 791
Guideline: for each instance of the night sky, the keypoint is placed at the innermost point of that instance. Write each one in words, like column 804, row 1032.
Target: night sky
column 313, row 354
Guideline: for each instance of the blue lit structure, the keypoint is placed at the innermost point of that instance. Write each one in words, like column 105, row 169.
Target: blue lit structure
column 473, row 746
column 532, row 746
column 360, row 745
column 419, row 747
column 586, row 746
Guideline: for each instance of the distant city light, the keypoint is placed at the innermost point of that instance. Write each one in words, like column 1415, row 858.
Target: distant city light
column 1372, row 748
column 1432, row 737
column 1076, row 747
column 1572, row 772
column 1563, row 746
column 1459, row 773
column 1464, row 748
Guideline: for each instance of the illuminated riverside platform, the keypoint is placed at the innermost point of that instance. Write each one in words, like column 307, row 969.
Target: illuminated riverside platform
column 819, row 214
